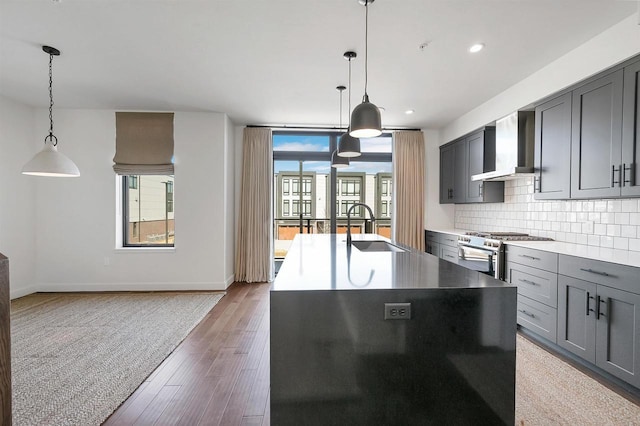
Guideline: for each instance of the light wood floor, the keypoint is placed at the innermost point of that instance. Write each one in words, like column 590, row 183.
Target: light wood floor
column 219, row 375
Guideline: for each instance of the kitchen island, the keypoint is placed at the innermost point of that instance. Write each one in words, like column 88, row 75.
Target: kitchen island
column 364, row 337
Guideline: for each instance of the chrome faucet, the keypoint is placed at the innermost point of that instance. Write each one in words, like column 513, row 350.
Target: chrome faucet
column 349, row 220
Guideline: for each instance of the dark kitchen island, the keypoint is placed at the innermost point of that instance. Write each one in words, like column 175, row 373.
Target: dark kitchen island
column 445, row 354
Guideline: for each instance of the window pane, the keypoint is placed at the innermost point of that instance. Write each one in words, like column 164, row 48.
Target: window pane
column 382, row 143
column 148, row 212
column 308, row 143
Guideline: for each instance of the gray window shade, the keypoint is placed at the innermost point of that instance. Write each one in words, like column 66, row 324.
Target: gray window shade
column 144, row 143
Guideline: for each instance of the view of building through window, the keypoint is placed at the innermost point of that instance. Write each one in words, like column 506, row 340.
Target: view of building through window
column 148, row 210
column 305, row 186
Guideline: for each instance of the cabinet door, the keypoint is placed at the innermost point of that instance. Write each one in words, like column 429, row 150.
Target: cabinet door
column 475, row 165
column 460, row 172
column 596, row 138
column 576, row 317
column 447, row 161
column 631, row 131
column 553, row 149
column 618, row 334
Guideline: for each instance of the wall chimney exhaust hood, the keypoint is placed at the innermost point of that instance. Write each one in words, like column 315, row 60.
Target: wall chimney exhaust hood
column 515, row 141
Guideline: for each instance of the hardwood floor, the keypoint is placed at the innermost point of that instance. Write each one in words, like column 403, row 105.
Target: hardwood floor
column 219, row 375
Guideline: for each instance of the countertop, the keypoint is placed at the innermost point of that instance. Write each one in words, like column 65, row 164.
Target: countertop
column 322, row 262
column 621, row 257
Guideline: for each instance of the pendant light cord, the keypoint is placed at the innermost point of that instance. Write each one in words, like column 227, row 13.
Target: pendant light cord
column 51, row 137
column 349, row 126
column 366, row 46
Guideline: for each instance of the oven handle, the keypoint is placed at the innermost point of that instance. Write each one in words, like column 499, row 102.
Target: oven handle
column 495, row 251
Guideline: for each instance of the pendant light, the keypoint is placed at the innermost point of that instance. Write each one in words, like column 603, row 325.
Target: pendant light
column 348, row 145
column 365, row 118
column 49, row 162
column 336, row 160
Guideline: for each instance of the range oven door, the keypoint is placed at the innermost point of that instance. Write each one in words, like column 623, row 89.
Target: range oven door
column 478, row 258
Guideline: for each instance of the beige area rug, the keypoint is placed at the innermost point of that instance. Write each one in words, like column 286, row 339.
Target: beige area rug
column 551, row 392
column 77, row 357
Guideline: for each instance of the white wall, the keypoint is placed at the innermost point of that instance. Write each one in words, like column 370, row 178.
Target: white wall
column 613, row 46
column 76, row 217
column 600, row 223
column 229, row 201
column 437, row 216
column 17, row 194
column 610, row 47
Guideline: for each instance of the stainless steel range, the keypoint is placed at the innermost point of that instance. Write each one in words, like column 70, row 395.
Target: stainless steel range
column 484, row 251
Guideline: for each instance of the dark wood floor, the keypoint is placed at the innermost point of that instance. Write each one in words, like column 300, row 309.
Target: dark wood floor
column 219, row 375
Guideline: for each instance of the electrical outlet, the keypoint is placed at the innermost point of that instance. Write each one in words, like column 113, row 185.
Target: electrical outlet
column 397, row 311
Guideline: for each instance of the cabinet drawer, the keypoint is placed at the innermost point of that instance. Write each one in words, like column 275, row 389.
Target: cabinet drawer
column 530, row 257
column 432, row 248
column 449, row 240
column 431, row 235
column 536, row 284
column 448, row 253
column 622, row 277
column 537, row 317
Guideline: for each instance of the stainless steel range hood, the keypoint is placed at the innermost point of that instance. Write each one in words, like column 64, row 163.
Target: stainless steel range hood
column 515, row 141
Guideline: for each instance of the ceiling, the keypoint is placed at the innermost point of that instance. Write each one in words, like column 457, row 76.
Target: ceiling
column 278, row 62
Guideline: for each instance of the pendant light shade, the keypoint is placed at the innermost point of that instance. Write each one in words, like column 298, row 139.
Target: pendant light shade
column 365, row 118
column 349, row 146
column 338, row 162
column 49, row 162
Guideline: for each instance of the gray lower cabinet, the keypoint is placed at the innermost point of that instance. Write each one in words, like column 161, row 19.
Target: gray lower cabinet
column 534, row 272
column 631, row 131
column 596, row 138
column 599, row 323
column 432, row 246
column 553, row 149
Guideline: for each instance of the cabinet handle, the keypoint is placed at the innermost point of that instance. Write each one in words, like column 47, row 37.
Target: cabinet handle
column 632, row 176
column 599, row 300
column 529, row 314
column 604, row 274
column 480, row 189
column 613, row 179
column 589, row 297
column 528, row 282
column 529, row 257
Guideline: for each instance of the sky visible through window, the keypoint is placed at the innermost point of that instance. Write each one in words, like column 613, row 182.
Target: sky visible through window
column 320, row 143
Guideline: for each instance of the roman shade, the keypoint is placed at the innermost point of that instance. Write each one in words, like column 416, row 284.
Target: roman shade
column 144, row 143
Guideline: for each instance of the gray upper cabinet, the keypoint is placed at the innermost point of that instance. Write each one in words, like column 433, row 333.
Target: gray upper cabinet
column 631, row 131
column 453, row 161
column 553, row 149
column 463, row 158
column 596, row 138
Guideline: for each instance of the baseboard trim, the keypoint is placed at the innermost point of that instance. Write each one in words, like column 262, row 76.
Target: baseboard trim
column 21, row 292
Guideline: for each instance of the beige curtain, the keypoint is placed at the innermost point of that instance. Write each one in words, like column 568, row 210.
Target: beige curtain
column 409, row 163
column 144, row 143
column 254, row 252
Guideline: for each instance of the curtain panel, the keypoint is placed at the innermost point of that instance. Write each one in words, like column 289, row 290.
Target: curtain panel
column 254, row 250
column 409, row 164
column 144, row 143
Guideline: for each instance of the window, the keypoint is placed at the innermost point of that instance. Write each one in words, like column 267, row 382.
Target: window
column 148, row 204
column 285, row 208
column 350, row 187
column 285, row 186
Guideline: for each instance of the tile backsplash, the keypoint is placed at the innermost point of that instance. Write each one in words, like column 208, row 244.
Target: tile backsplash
column 601, row 222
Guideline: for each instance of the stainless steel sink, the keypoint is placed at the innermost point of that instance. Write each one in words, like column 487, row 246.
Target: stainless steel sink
column 376, row 245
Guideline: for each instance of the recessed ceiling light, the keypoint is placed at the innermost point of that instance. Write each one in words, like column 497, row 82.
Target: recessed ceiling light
column 476, row 47
column 409, row 111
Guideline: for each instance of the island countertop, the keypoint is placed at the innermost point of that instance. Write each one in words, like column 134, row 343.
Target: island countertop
column 323, row 262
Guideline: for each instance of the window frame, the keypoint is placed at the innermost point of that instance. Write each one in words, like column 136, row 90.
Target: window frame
column 124, row 197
